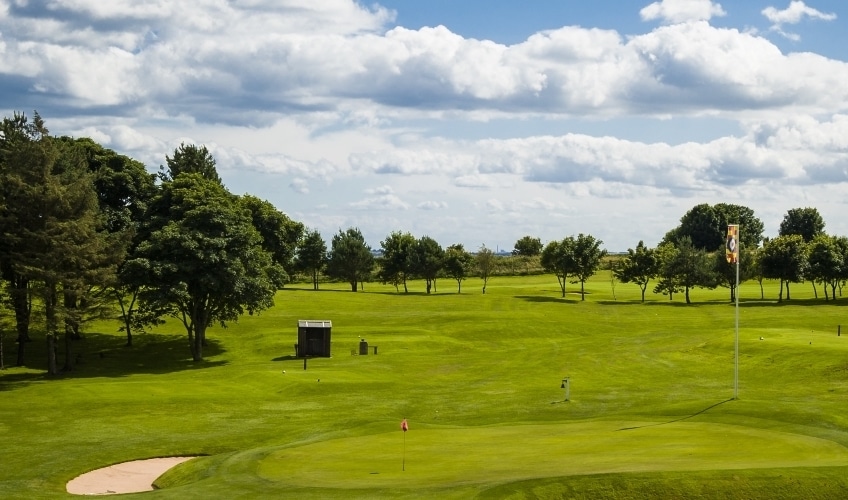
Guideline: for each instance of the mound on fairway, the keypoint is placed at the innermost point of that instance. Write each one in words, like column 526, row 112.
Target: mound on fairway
column 454, row 456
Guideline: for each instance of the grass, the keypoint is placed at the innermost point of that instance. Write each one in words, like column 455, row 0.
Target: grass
column 478, row 377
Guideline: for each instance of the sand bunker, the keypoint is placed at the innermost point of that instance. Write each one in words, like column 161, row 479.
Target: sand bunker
column 128, row 477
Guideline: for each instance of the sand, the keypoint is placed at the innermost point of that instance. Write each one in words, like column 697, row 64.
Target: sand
column 127, row 477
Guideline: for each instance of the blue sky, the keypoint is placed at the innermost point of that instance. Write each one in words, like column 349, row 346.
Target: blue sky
column 468, row 121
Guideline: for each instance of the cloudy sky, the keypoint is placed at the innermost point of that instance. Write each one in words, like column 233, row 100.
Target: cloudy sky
column 474, row 122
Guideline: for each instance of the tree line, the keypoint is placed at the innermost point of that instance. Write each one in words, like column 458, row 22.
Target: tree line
column 87, row 233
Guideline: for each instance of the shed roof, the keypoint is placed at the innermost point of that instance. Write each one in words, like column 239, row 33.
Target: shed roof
column 314, row 323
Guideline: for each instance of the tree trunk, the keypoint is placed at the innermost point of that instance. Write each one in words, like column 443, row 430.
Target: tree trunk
column 353, row 285
column 787, row 291
column 50, row 300
column 582, row 292
column 815, row 290
column 315, row 279
column 69, row 358
column 687, row 296
column 458, row 286
column 23, row 312
column 780, row 295
column 643, row 292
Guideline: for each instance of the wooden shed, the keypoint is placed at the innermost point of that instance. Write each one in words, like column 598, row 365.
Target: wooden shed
column 313, row 338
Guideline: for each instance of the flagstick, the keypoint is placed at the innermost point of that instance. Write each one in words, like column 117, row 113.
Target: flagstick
column 404, row 453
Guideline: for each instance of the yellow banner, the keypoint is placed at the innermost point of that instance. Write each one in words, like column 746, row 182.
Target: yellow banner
column 732, row 247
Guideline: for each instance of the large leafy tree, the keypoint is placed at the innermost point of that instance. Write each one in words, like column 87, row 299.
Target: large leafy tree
column 204, row 258
column 640, row 266
column 312, row 256
column 785, row 258
column 280, row 234
column 702, row 225
column 806, row 222
column 827, row 261
column 458, row 264
column 396, row 265
column 52, row 229
column 124, row 190
column 750, row 227
column 427, row 260
column 350, row 258
column 558, row 258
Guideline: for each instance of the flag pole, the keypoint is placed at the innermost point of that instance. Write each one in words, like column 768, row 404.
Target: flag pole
column 732, row 254
column 404, row 426
column 736, row 371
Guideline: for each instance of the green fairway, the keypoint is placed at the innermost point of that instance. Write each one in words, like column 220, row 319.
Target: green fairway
column 479, row 379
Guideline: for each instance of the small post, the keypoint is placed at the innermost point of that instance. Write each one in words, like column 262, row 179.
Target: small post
column 567, row 386
column 304, row 362
column 838, row 330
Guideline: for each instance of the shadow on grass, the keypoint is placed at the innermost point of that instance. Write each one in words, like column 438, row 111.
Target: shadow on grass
column 678, row 419
column 102, row 355
column 548, row 299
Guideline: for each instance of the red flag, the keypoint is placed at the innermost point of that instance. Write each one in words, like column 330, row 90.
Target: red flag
column 404, row 426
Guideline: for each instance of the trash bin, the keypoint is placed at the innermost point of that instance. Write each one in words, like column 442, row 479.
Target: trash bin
column 363, row 347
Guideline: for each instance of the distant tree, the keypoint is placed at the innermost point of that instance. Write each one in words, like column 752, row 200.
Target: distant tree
column 190, row 159
column 427, row 259
column 588, row 255
column 280, row 234
column 725, row 272
column 350, row 258
column 204, row 258
column 667, row 277
column 784, row 258
column 558, row 258
column 806, row 222
column 528, row 246
column 458, row 264
column 397, row 261
column 640, row 266
column 827, row 265
column 312, row 256
column 692, row 268
column 750, row 227
column 485, row 260
column 702, row 225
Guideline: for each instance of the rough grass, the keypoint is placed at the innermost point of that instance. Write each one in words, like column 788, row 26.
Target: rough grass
column 478, row 377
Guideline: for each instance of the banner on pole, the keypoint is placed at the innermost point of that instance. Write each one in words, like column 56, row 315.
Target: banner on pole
column 732, row 246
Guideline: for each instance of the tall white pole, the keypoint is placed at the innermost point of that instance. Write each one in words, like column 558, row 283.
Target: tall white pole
column 736, row 371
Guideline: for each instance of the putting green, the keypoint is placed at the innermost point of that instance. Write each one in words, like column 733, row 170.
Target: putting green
column 453, row 456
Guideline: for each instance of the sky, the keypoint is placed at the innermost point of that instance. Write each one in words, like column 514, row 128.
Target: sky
column 473, row 122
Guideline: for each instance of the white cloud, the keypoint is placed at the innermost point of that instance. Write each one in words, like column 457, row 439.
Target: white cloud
column 794, row 14
column 681, row 11
column 432, row 205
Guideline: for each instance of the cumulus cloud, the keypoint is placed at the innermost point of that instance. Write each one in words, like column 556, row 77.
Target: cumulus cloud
column 681, row 11
column 381, row 198
column 794, row 14
column 432, row 205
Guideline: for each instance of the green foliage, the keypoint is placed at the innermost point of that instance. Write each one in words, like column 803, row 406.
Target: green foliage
column 640, row 266
column 204, row 258
column 190, row 159
column 528, row 246
column 396, row 265
column 784, row 258
column 350, row 258
column 485, row 262
column 280, row 234
column 806, row 222
column 312, row 256
column 427, row 260
column 458, row 264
